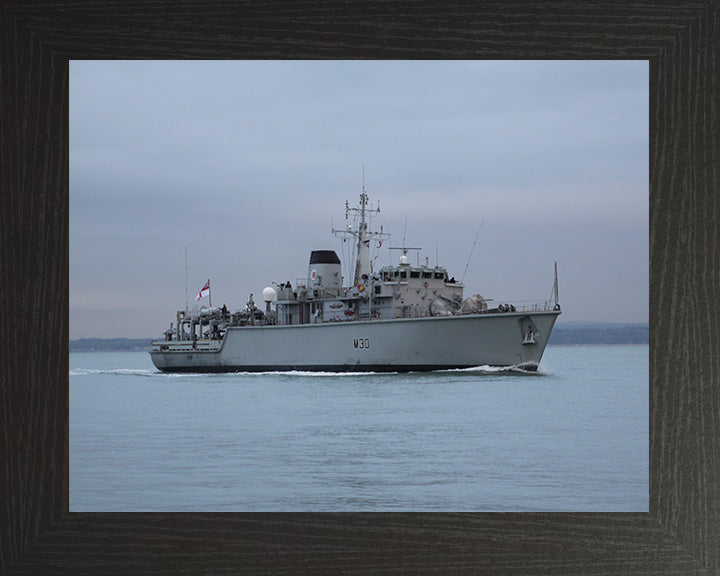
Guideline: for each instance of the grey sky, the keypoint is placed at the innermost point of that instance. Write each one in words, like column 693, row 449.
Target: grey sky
column 247, row 163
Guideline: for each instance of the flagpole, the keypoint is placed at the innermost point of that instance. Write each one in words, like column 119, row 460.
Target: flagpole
column 209, row 293
column 186, row 283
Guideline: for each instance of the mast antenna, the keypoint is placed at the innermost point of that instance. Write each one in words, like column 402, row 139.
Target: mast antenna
column 186, row 283
column 471, row 251
column 405, row 232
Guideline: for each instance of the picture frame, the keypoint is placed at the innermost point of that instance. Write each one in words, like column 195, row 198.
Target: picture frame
column 678, row 535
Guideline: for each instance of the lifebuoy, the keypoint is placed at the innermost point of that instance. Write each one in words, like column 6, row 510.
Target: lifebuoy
column 361, row 288
column 426, row 284
column 501, row 308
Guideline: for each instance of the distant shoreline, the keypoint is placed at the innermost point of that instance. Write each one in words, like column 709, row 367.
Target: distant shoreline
column 609, row 345
column 588, row 334
column 603, row 335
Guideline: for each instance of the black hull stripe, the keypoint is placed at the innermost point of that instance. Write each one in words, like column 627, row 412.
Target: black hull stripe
column 529, row 367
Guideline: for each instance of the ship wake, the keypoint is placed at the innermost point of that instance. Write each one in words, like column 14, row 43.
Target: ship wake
column 115, row 371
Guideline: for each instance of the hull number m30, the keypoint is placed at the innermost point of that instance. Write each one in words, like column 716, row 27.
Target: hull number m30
column 361, row 343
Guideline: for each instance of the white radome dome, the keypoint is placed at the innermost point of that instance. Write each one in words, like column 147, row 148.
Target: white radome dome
column 268, row 294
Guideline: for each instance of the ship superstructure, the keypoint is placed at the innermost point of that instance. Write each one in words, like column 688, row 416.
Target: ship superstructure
column 401, row 317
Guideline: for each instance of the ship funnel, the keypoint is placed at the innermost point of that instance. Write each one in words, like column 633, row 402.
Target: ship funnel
column 324, row 272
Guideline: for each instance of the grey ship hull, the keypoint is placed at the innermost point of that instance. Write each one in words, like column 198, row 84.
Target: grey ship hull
column 393, row 345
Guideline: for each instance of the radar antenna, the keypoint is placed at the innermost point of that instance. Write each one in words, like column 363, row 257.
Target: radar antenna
column 405, row 247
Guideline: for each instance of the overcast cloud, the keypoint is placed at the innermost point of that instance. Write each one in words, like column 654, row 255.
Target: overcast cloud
column 248, row 163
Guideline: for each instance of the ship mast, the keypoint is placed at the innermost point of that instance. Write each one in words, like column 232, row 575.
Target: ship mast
column 362, row 263
column 363, row 269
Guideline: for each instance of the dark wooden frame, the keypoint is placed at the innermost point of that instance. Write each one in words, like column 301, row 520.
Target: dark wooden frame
column 681, row 532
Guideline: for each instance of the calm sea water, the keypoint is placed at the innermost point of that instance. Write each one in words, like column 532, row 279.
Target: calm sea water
column 573, row 437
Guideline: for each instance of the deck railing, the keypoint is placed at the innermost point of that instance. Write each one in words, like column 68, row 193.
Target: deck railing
column 534, row 306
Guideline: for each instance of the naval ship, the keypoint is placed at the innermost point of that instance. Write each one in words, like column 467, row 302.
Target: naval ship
column 399, row 318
